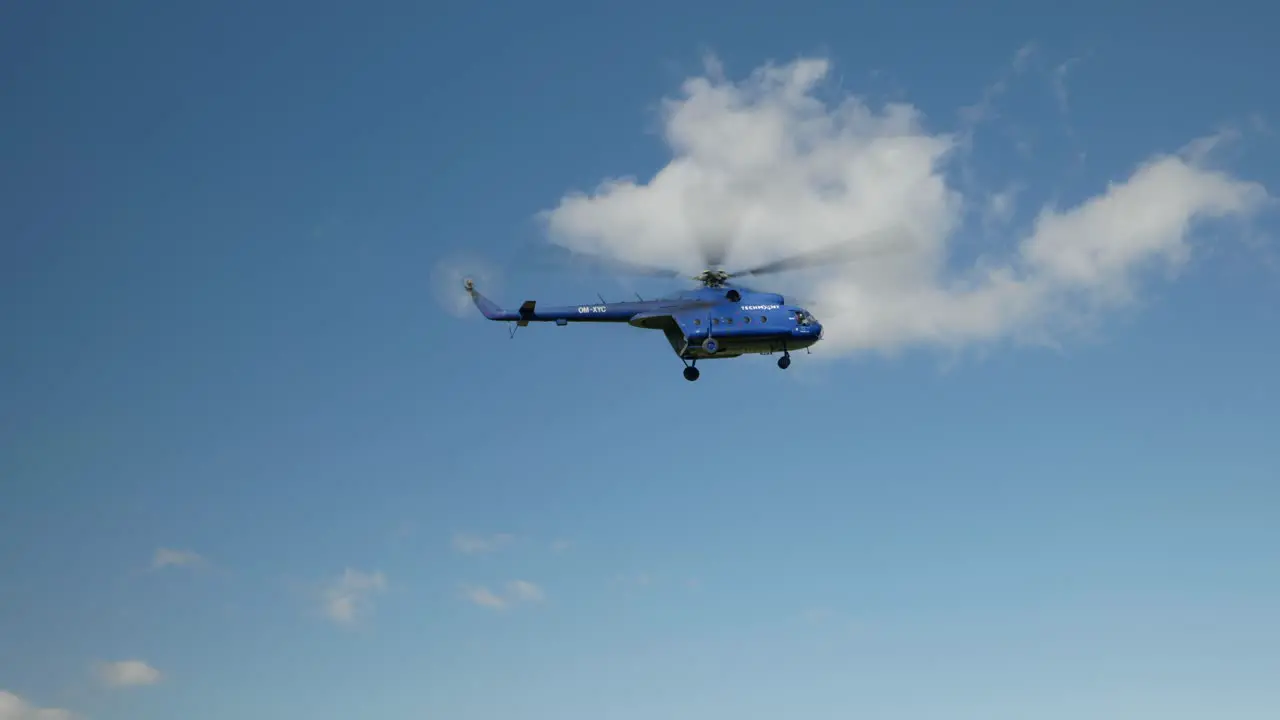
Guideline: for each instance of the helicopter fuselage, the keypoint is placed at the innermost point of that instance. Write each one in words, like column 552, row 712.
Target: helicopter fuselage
column 706, row 323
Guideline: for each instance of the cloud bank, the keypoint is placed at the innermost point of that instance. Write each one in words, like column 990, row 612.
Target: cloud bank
column 771, row 163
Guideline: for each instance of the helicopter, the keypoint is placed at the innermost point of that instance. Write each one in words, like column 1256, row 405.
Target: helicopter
column 717, row 320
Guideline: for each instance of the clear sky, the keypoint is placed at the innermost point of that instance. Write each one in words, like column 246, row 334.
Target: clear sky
column 254, row 463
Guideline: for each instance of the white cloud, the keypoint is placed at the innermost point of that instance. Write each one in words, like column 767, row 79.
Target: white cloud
column 561, row 545
column 830, row 621
column 765, row 160
column 524, row 591
column 475, row 544
column 641, row 579
column 518, row 591
column 1023, row 56
column 166, row 557
column 128, row 673
column 972, row 116
column 1060, row 82
column 13, row 707
column 484, row 597
column 350, row 595
column 1000, row 207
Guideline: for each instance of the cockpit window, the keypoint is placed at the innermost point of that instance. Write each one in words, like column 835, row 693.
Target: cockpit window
column 804, row 318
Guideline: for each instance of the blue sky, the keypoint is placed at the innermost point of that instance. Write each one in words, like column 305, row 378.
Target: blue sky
column 255, row 465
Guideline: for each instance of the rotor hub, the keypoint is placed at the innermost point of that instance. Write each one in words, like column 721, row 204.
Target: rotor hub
column 712, row 278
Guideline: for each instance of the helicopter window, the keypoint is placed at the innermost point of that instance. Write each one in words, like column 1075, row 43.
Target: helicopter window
column 716, row 321
column 746, row 319
column 764, row 318
column 697, row 321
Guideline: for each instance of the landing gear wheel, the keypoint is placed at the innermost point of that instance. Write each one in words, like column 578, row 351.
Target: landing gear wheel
column 710, row 345
column 691, row 373
column 784, row 362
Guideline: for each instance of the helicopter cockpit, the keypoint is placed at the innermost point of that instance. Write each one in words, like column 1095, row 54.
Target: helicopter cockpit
column 804, row 317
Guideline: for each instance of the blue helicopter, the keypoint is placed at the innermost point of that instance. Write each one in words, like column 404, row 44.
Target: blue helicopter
column 718, row 320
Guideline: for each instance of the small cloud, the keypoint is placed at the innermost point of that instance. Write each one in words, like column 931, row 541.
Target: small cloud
column 166, row 557
column 1060, row 73
column 830, row 620
column 349, row 595
column 1259, row 124
column 518, row 591
column 984, row 109
column 128, row 673
column 484, row 597
column 1060, row 83
column 1000, row 207
column 641, row 579
column 561, row 545
column 525, row 591
column 1023, row 56
column 476, row 544
column 817, row 615
column 1201, row 149
column 13, row 707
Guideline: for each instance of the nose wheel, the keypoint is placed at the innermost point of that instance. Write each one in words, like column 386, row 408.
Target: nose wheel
column 784, row 362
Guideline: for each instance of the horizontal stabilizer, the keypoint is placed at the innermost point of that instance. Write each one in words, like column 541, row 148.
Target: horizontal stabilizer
column 526, row 312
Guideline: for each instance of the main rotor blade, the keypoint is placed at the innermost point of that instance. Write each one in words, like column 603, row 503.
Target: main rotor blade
column 615, row 265
column 887, row 242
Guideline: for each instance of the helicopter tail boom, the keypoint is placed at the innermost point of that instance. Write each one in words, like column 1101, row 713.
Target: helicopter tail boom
column 619, row 312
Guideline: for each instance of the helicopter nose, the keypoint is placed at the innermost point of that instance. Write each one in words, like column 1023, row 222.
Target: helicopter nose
column 819, row 326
